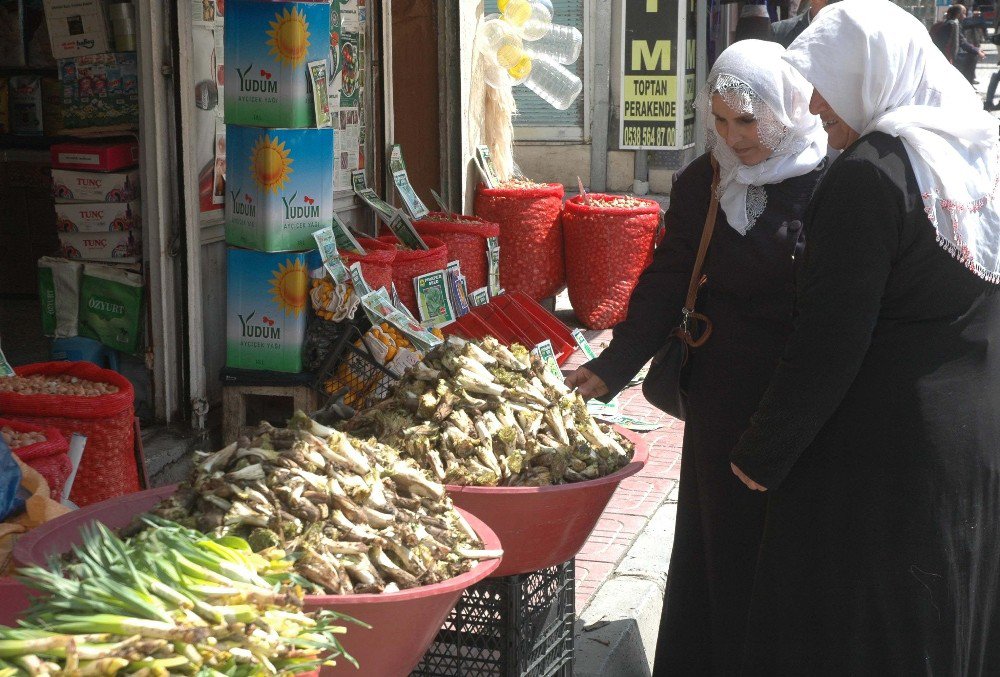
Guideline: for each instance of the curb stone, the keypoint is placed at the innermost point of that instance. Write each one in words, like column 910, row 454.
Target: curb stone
column 616, row 633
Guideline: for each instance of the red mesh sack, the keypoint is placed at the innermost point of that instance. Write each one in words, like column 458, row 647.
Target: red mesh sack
column 376, row 265
column 49, row 458
column 410, row 263
column 108, row 467
column 465, row 237
column 607, row 248
column 531, row 247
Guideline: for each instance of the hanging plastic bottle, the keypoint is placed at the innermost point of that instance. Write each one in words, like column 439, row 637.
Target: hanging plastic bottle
column 553, row 83
column 562, row 44
column 545, row 3
column 502, row 45
column 530, row 17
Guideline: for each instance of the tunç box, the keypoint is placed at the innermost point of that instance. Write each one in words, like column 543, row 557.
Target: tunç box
column 96, row 156
column 124, row 246
column 267, row 308
column 100, row 90
column 279, row 187
column 97, row 217
column 268, row 45
column 69, row 186
column 77, row 27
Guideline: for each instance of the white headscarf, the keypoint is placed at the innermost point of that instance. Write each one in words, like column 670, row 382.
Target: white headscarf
column 877, row 67
column 751, row 77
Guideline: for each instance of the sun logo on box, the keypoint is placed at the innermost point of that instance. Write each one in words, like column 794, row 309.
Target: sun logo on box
column 270, row 164
column 289, row 35
column 290, row 287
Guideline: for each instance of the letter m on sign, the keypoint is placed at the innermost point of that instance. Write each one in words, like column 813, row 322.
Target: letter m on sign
column 655, row 58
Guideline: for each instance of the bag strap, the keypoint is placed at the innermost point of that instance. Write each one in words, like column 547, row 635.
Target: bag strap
column 697, row 279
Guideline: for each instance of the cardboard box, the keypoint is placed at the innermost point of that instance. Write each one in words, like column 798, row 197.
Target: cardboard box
column 96, row 156
column 268, row 45
column 119, row 247
column 77, row 27
column 267, row 308
column 100, row 90
column 279, row 187
column 72, row 186
column 97, row 217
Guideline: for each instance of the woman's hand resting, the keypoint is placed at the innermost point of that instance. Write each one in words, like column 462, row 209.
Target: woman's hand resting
column 587, row 383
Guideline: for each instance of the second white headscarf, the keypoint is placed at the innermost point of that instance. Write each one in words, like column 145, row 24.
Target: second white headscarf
column 752, row 77
column 876, row 66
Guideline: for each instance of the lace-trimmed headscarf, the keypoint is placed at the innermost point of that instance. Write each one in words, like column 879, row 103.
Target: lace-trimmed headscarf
column 751, row 77
column 876, row 66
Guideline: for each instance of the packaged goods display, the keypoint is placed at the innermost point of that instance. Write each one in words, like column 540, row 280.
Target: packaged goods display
column 360, row 517
column 97, row 217
column 96, row 156
column 92, row 186
column 279, row 186
column 267, row 48
column 111, row 308
column 478, row 413
column 77, row 27
column 100, row 90
column 111, row 247
column 267, row 308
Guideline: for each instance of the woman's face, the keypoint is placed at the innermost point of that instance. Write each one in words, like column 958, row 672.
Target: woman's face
column 839, row 134
column 739, row 131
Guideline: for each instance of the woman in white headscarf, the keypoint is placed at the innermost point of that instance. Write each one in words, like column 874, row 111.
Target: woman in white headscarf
column 771, row 153
column 878, row 441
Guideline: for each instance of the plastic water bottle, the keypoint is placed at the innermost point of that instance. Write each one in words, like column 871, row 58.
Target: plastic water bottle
column 562, row 44
column 553, row 83
column 502, row 45
column 530, row 17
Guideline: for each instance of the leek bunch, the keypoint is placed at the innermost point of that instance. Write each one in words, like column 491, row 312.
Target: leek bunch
column 168, row 601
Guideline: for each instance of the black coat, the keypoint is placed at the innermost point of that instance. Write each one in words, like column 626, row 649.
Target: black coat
column 749, row 298
column 786, row 30
column 879, row 439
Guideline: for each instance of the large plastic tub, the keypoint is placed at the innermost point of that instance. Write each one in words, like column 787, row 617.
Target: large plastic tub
column 544, row 526
column 403, row 623
column 13, row 600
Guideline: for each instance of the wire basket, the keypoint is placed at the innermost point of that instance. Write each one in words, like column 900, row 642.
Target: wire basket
column 514, row 626
column 351, row 371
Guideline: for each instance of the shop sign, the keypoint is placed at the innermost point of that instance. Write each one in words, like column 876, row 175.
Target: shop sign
column 658, row 74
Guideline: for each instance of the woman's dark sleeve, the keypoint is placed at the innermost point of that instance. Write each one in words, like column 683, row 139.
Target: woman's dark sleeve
column 851, row 241
column 655, row 305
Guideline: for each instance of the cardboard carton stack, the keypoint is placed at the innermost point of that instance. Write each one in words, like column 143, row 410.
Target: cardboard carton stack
column 279, row 181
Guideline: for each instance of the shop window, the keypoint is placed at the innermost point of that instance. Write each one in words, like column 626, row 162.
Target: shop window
column 536, row 119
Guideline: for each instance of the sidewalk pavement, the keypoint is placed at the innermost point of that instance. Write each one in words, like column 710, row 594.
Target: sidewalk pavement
column 622, row 569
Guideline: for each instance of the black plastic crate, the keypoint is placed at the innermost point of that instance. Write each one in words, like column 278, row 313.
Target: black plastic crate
column 516, row 626
column 352, row 373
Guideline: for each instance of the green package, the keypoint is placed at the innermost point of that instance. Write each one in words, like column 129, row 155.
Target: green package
column 59, row 293
column 47, row 299
column 111, row 307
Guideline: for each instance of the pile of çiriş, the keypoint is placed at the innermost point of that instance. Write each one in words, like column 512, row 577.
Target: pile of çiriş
column 168, row 601
column 483, row 414
column 357, row 517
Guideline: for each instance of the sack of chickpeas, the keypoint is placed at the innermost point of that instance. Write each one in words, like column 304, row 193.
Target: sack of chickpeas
column 44, row 449
column 609, row 241
column 83, row 398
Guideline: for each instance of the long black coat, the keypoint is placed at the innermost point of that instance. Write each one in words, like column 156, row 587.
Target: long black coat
column 879, row 440
column 749, row 298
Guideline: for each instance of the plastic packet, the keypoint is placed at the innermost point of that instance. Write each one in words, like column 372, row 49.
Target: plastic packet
column 434, row 299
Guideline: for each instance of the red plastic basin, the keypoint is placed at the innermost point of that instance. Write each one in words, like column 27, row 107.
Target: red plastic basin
column 540, row 527
column 403, row 623
column 13, row 601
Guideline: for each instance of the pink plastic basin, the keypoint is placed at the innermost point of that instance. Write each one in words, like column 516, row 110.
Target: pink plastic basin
column 13, row 601
column 403, row 623
column 544, row 526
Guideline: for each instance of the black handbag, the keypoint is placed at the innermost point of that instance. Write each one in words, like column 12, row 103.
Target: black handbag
column 665, row 385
